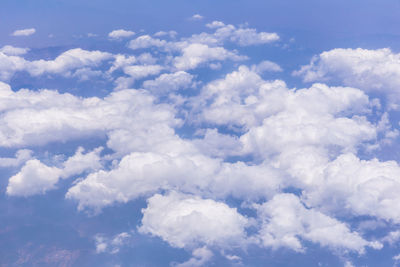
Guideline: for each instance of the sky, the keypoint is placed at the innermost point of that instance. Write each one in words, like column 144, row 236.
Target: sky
column 199, row 133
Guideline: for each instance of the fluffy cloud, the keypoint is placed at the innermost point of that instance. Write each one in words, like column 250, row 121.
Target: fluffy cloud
column 81, row 162
column 238, row 136
column 21, row 156
column 242, row 36
column 119, row 34
column 169, row 82
column 171, row 34
column 34, row 178
column 200, row 257
column 265, row 66
column 122, row 61
column 71, row 59
column 141, row 174
column 40, row 117
column 63, row 64
column 146, row 41
column 111, row 245
column 197, row 17
column 370, row 70
column 24, row 32
column 13, row 51
column 285, row 222
column 38, row 178
column 247, row 37
column 205, row 221
column 141, row 71
column 197, row 54
column 358, row 187
column 244, row 99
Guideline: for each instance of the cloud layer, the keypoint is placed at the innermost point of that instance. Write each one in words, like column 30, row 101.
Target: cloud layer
column 227, row 156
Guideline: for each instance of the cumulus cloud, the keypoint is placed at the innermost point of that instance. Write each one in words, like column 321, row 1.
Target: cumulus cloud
column 205, row 221
column 246, row 37
column 361, row 187
column 265, row 66
column 146, row 41
column 171, row 34
column 170, row 82
column 119, row 34
column 285, row 222
column 142, row 71
column 197, row 54
column 81, row 162
column 40, row 117
column 21, row 156
column 177, row 166
column 197, row 17
column 200, row 257
column 244, row 99
column 13, row 51
column 121, row 61
column 63, row 64
column 242, row 36
column 111, row 245
column 370, row 70
column 24, row 32
column 34, row 178
column 38, row 178
column 188, row 145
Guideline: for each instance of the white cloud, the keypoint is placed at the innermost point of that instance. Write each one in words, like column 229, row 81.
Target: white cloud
column 71, row 59
column 197, row 54
column 265, row 66
column 370, row 70
column 142, row 71
column 147, row 59
column 24, row 32
column 233, row 99
column 241, row 36
column 361, row 187
column 169, row 82
column 197, row 17
column 253, row 138
column 111, row 245
column 85, row 74
column 215, row 24
column 80, row 162
column 200, row 257
column 40, row 117
column 119, row 34
column 122, row 61
column 243, row 99
column 9, row 65
column 34, row 178
column 21, row 156
column 171, row 34
column 13, row 51
column 247, row 37
column 348, row 264
column 38, row 178
column 146, row 41
column 177, row 167
column 285, row 222
column 216, row 144
column 63, row 64
column 310, row 118
column 392, row 237
column 189, row 221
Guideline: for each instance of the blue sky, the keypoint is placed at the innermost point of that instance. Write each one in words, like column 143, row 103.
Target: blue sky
column 199, row 133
